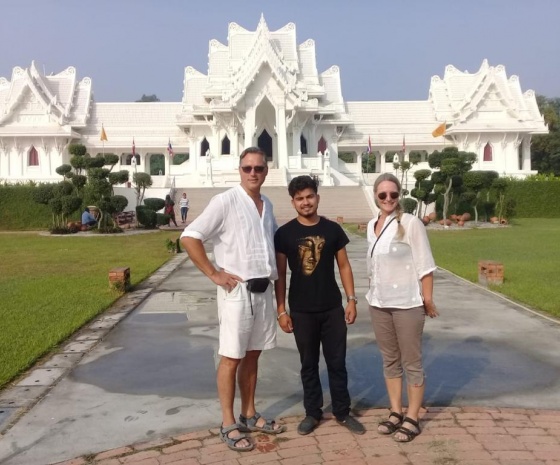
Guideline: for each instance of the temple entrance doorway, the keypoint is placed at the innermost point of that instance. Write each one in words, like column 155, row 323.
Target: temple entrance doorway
column 265, row 143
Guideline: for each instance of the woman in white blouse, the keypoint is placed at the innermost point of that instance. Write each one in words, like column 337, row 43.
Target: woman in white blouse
column 400, row 270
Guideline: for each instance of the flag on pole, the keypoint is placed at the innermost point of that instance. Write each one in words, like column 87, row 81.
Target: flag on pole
column 103, row 135
column 369, row 145
column 403, row 144
column 170, row 148
column 440, row 130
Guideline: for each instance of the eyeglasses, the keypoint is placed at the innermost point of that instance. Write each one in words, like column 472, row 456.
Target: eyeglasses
column 383, row 195
column 258, row 169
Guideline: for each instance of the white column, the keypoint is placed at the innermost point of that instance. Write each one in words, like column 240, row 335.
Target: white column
column 380, row 162
column 526, row 153
column 282, row 143
column 249, row 127
column 193, row 156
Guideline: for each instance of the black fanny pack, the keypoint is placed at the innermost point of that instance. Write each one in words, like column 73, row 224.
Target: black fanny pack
column 257, row 285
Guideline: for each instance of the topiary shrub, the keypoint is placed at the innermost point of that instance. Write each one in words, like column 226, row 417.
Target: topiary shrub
column 162, row 219
column 154, row 204
column 409, row 205
column 146, row 217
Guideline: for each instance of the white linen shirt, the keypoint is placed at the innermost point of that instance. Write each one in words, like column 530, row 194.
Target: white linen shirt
column 243, row 240
column 397, row 266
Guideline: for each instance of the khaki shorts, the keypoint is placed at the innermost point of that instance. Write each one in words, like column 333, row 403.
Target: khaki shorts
column 243, row 328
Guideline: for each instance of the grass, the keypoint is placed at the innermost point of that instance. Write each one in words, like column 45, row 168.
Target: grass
column 51, row 286
column 528, row 250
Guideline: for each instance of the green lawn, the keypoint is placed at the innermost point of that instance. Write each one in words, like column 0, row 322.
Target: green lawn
column 51, row 286
column 528, row 250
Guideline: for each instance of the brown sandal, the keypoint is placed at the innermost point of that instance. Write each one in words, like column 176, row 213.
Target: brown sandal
column 410, row 434
column 391, row 427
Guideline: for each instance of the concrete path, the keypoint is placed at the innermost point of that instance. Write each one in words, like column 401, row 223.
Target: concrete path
column 152, row 378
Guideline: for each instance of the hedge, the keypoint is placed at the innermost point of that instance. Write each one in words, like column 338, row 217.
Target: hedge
column 535, row 198
column 18, row 210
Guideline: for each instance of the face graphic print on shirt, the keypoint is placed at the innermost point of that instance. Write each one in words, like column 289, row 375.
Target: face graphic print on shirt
column 309, row 252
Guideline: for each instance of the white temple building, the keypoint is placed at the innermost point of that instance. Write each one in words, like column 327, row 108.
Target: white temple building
column 263, row 88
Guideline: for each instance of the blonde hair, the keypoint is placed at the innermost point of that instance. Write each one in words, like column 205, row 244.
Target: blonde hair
column 399, row 211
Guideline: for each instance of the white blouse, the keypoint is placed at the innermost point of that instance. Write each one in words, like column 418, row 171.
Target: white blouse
column 243, row 240
column 397, row 266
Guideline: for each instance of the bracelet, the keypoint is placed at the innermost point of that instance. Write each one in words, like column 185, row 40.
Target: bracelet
column 281, row 314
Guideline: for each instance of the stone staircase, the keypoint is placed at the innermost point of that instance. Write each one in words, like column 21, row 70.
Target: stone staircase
column 347, row 202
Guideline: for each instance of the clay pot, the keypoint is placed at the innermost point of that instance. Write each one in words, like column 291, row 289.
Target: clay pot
column 503, row 221
column 441, row 222
column 466, row 216
column 494, row 220
column 453, row 217
column 460, row 223
column 426, row 220
column 448, row 222
column 432, row 216
column 83, row 227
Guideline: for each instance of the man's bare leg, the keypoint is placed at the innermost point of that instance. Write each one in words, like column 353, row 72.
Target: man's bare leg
column 247, row 380
column 225, row 378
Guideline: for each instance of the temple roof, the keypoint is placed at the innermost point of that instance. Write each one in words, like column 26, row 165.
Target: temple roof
column 233, row 68
column 474, row 100
column 151, row 124
column 65, row 101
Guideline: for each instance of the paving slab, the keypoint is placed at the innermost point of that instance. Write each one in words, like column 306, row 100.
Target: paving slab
column 153, row 375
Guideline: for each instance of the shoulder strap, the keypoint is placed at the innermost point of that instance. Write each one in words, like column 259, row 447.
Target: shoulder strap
column 380, row 234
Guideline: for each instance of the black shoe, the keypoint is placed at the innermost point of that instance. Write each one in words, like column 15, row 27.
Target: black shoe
column 307, row 425
column 353, row 425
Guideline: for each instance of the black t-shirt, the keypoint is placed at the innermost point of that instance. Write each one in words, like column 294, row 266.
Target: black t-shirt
column 311, row 254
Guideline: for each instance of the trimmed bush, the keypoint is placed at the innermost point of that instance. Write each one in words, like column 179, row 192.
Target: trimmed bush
column 154, row 203
column 146, row 217
column 162, row 219
column 18, row 209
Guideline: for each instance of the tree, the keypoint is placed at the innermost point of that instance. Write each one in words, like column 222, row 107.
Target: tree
column 148, row 98
column 452, row 165
column 423, row 189
column 545, row 148
column 141, row 182
column 476, row 182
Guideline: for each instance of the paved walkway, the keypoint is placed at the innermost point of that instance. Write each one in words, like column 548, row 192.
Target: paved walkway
column 451, row 435
column 139, row 383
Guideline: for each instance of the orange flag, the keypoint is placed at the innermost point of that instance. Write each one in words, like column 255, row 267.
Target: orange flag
column 103, row 135
column 440, row 130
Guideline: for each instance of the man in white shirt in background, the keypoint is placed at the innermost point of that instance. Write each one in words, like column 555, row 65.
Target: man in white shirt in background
column 241, row 224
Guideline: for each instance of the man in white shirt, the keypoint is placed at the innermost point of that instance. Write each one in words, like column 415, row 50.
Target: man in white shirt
column 241, row 224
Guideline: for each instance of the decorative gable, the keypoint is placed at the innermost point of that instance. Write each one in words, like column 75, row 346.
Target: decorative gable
column 462, row 97
column 33, row 99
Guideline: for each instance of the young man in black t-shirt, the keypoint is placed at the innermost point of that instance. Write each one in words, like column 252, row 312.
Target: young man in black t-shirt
column 309, row 245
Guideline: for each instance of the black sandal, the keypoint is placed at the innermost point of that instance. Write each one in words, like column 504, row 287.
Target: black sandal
column 410, row 434
column 391, row 427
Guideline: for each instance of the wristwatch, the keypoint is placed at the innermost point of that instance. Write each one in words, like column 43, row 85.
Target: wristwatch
column 352, row 297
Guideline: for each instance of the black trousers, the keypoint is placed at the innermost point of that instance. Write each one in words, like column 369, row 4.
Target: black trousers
column 311, row 330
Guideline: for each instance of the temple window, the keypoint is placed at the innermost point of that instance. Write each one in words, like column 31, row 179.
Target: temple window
column 204, row 147
column 487, row 152
column 225, row 146
column 303, row 144
column 32, row 157
column 322, row 145
column 129, row 159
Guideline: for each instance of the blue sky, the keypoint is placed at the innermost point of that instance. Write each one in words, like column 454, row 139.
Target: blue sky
column 386, row 49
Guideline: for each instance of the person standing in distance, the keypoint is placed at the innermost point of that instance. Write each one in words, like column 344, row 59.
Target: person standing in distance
column 241, row 224
column 309, row 245
column 400, row 269
column 184, row 205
